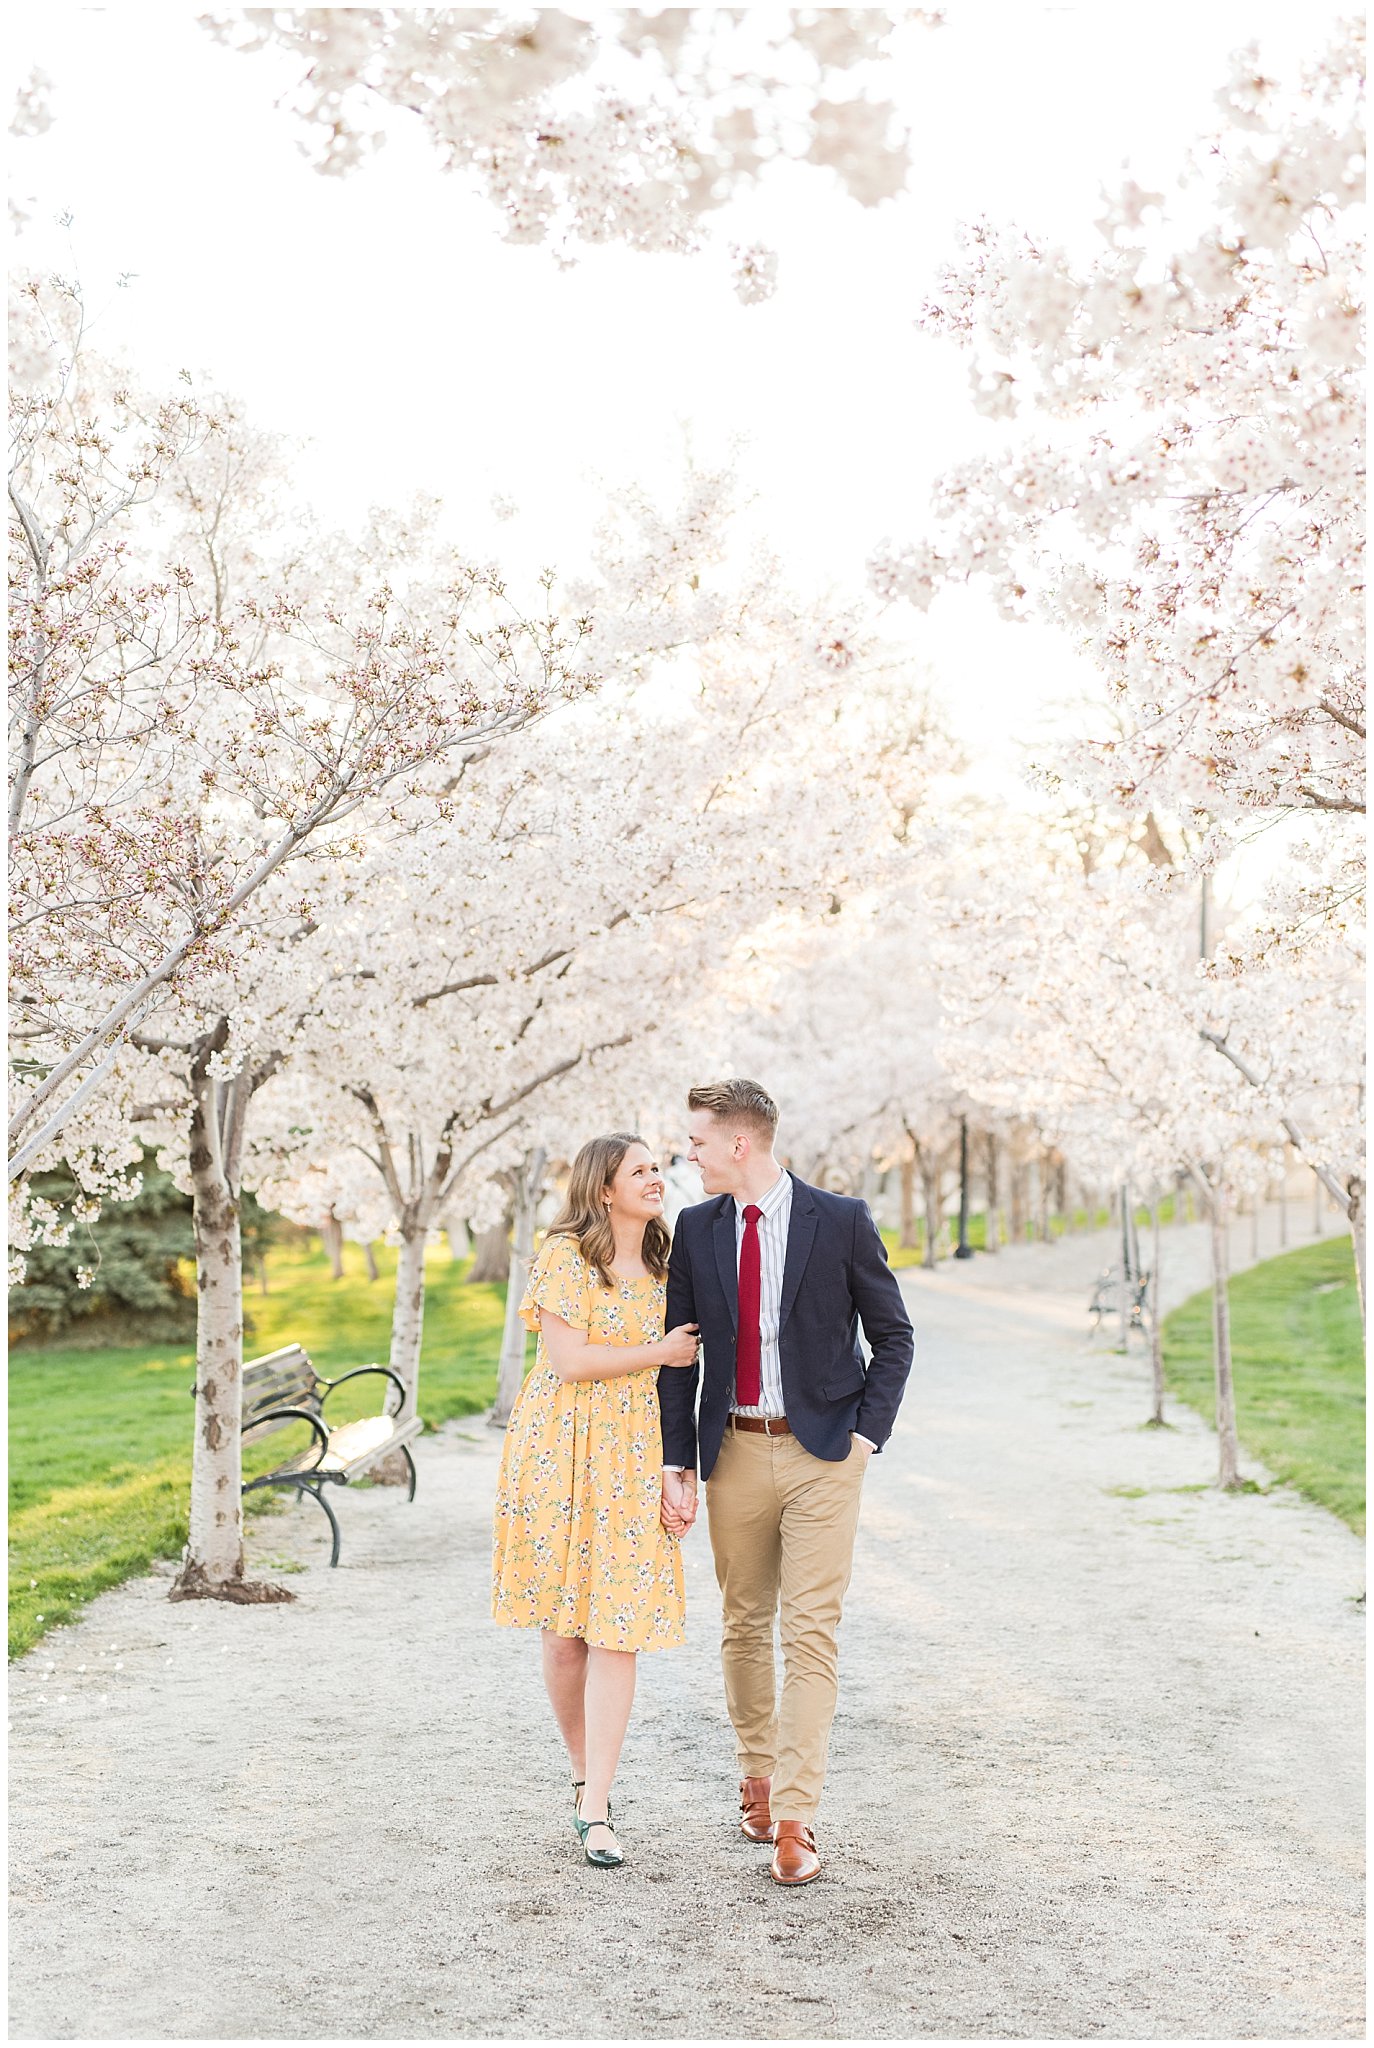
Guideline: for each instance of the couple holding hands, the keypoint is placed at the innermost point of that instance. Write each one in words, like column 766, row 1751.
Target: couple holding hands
column 771, row 1280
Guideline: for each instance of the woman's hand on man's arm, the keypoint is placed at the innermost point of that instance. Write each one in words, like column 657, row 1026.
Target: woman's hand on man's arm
column 574, row 1358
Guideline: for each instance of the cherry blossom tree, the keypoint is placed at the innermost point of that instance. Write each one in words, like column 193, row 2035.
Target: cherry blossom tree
column 628, row 848
column 265, row 1007
column 210, row 726
column 627, row 126
column 495, row 861
column 171, row 751
column 1184, row 493
column 1082, row 1000
column 1181, row 492
column 183, row 759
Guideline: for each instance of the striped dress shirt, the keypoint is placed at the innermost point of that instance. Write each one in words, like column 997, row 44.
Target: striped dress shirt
column 776, row 1204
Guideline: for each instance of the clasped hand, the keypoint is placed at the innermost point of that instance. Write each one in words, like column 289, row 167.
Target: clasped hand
column 678, row 1509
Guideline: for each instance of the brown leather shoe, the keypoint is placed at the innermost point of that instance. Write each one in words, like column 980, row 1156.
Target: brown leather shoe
column 756, row 1823
column 794, row 1853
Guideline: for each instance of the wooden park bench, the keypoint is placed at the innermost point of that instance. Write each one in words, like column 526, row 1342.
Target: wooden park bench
column 283, row 1388
column 1106, row 1299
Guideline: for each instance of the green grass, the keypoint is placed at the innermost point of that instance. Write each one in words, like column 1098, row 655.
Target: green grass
column 100, row 1441
column 900, row 1255
column 1298, row 1357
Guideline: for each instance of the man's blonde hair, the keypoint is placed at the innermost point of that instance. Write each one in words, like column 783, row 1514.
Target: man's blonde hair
column 742, row 1104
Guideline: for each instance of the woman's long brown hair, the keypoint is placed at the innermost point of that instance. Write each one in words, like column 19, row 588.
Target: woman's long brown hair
column 584, row 1214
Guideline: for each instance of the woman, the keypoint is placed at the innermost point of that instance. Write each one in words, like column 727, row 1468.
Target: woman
column 580, row 1551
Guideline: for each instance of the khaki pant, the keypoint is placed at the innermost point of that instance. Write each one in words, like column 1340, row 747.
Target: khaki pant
column 782, row 1531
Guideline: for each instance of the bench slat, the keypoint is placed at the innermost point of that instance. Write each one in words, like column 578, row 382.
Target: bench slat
column 260, row 1393
column 280, row 1379
column 289, row 1356
column 253, row 1432
column 356, row 1444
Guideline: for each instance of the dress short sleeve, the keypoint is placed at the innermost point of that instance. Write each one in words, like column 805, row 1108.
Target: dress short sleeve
column 560, row 1282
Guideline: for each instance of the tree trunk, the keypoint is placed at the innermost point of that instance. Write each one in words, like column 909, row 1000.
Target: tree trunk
column 407, row 1333
column 963, row 1249
column 1043, row 1192
column 370, row 1257
column 331, row 1237
column 872, row 1188
column 907, row 1234
column 408, row 1315
column 511, row 1373
column 1254, row 1228
column 491, row 1256
column 1228, row 1449
column 262, row 1271
column 1123, row 1286
column 459, row 1242
column 930, row 1188
column 1316, row 1207
column 1019, row 1173
column 992, row 1235
column 212, row 1562
column 1283, row 1207
column 1156, row 1332
column 1134, row 1233
column 1355, row 1213
column 215, row 1546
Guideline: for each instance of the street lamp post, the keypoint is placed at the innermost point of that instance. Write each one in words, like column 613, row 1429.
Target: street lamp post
column 963, row 1250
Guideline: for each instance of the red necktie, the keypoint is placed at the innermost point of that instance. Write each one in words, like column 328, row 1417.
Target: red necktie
column 747, row 1342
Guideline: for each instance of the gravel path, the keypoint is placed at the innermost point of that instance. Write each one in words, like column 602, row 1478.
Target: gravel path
column 1097, row 1770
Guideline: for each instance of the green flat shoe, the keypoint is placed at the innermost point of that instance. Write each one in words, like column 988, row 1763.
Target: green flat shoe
column 603, row 1859
column 583, row 1825
column 578, row 1788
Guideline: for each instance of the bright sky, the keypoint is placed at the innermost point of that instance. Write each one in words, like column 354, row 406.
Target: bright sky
column 381, row 320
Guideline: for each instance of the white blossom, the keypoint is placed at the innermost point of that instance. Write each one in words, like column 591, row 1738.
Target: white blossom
column 628, row 126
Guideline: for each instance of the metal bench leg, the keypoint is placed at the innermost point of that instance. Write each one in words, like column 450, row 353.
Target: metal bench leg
column 405, row 1453
column 316, row 1494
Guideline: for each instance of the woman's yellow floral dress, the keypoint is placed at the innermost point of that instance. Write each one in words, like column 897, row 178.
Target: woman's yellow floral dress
column 579, row 1547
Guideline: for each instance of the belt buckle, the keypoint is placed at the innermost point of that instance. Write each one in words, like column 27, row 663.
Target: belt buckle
column 768, row 1421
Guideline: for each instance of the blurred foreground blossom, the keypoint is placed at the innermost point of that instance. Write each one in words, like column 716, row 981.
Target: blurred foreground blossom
column 625, row 126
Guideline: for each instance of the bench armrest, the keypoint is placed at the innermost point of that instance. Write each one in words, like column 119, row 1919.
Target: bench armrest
column 357, row 1374
column 291, row 1415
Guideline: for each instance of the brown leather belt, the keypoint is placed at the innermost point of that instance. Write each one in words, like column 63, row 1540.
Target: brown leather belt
column 763, row 1425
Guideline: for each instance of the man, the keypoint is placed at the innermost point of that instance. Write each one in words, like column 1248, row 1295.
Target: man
column 779, row 1276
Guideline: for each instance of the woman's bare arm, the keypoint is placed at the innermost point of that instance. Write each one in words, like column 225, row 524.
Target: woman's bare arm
column 574, row 1358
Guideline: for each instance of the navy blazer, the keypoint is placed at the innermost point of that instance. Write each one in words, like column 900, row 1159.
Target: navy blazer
column 835, row 1276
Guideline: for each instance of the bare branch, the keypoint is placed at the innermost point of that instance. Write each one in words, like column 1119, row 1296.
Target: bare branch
column 1295, row 1136
column 1330, row 803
